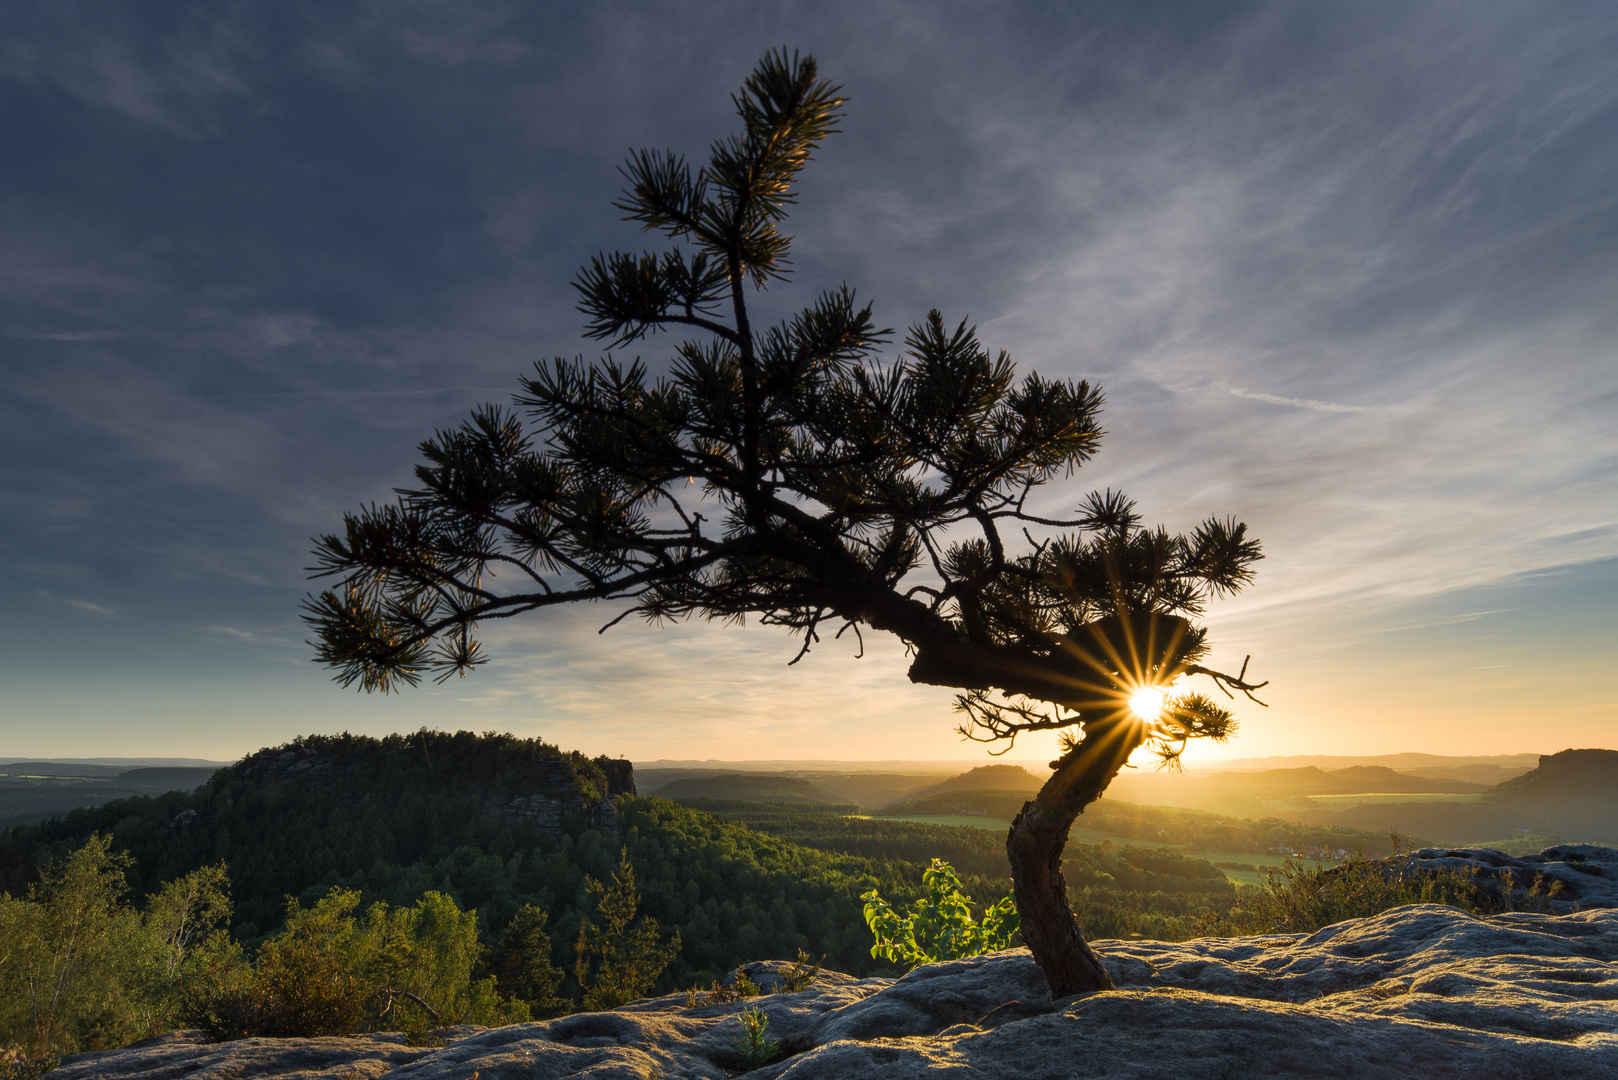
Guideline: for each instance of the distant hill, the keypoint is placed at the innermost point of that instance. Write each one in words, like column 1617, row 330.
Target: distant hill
column 979, row 802
column 1260, row 792
column 1355, row 780
column 82, row 770
column 868, row 789
column 1479, row 773
column 114, row 764
column 1379, row 778
column 984, row 778
column 1423, row 764
column 319, row 810
column 750, row 787
column 166, row 779
column 36, row 790
column 872, row 789
column 1572, row 796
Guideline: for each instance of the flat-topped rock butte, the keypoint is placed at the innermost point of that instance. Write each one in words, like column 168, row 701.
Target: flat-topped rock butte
column 1419, row 991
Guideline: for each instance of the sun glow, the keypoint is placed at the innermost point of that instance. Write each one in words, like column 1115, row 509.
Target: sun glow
column 1147, row 702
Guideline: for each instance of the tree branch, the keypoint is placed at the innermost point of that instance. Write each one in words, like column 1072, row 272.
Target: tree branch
column 1229, row 682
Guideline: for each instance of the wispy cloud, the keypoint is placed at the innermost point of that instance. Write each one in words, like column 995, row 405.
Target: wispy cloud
column 175, row 75
column 85, row 606
column 1448, row 620
column 1312, row 404
column 63, row 335
column 233, row 632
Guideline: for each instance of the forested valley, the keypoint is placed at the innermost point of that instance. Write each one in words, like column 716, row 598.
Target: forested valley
column 483, row 856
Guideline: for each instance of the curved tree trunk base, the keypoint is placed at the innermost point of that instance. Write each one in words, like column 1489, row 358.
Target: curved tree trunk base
column 1049, row 929
column 1035, row 843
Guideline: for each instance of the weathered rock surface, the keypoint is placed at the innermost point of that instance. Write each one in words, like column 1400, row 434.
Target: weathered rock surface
column 1421, row 991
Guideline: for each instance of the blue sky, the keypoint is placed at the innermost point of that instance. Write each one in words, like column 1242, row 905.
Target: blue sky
column 1346, row 271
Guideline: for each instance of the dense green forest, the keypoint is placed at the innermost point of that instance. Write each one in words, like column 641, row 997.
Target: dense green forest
column 979, row 854
column 1117, row 890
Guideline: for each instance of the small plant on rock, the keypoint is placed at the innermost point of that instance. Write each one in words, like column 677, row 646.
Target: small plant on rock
column 739, row 988
column 801, row 975
column 752, row 1045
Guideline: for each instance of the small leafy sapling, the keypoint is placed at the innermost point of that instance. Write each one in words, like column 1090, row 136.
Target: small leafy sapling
column 801, row 975
column 940, row 925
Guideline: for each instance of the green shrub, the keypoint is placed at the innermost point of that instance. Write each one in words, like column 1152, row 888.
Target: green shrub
column 309, row 975
column 940, row 925
column 82, row 969
column 427, row 955
column 1301, row 898
column 16, row 1065
column 332, row 971
column 73, row 954
column 224, row 998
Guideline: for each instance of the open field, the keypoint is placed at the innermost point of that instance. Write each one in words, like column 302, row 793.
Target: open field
column 1243, row 877
column 1337, row 802
column 969, row 821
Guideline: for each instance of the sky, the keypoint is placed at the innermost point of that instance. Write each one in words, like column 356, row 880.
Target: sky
column 1345, row 272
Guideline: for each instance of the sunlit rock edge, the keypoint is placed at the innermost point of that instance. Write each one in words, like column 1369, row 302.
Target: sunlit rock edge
column 1417, row 991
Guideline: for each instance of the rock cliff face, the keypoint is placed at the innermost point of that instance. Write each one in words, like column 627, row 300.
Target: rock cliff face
column 552, row 799
column 1420, row 991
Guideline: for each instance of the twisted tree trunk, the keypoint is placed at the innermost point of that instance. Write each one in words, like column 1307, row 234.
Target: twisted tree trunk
column 1035, row 843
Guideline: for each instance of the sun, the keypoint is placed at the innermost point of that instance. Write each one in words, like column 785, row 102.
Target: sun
column 1147, row 702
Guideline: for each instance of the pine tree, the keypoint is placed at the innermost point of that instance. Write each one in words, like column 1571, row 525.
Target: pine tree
column 791, row 473
column 522, row 966
column 620, row 956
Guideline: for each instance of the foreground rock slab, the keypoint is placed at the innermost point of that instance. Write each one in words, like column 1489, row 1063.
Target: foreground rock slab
column 1422, row 991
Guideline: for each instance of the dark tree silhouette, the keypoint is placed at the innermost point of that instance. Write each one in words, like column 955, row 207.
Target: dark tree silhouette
column 791, row 473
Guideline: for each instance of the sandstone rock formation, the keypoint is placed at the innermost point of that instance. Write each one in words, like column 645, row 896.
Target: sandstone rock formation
column 1422, row 991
